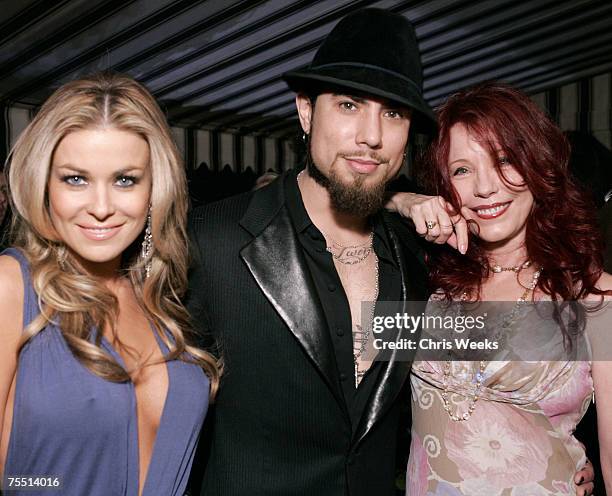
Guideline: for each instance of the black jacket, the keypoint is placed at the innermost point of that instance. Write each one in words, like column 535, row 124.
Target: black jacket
column 280, row 425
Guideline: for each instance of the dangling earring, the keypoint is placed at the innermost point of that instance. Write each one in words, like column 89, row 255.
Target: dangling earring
column 147, row 246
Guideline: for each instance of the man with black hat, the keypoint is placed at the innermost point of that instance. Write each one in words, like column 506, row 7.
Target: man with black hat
column 282, row 271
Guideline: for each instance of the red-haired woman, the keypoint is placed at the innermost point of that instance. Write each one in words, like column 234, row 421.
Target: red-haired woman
column 507, row 427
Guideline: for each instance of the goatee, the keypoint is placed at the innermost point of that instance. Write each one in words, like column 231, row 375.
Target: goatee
column 355, row 198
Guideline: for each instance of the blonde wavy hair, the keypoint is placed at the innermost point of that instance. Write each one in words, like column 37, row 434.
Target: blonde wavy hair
column 68, row 296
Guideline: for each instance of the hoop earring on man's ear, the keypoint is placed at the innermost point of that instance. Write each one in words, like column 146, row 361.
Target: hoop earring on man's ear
column 147, row 246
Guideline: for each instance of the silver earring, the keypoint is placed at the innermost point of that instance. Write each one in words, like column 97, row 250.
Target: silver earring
column 305, row 137
column 147, row 246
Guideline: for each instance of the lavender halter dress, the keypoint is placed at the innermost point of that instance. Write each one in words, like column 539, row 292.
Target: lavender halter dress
column 71, row 424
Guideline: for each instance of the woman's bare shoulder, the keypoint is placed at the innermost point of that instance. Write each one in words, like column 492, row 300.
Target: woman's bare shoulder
column 11, row 288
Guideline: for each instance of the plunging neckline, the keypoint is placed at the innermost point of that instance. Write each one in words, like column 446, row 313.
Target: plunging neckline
column 56, row 406
column 163, row 350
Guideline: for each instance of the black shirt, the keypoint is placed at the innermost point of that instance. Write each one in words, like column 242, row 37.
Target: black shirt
column 333, row 298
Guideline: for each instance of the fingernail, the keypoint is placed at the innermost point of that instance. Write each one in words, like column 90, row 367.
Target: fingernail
column 462, row 249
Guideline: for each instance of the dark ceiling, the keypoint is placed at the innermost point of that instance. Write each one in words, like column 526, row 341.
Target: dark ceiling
column 216, row 64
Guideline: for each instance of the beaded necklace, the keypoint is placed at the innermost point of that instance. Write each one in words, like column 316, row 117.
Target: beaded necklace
column 479, row 374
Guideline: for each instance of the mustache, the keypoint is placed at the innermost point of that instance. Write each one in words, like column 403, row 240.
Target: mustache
column 376, row 157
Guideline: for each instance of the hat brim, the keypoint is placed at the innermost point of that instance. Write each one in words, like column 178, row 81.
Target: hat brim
column 369, row 81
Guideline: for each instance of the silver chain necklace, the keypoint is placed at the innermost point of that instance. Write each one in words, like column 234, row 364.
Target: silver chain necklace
column 361, row 336
column 351, row 255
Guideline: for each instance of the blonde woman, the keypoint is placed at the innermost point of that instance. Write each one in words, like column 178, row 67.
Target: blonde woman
column 100, row 392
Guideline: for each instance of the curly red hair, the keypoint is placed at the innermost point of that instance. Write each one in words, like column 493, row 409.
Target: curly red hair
column 562, row 234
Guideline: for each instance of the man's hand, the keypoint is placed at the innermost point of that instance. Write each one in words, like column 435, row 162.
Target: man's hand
column 434, row 218
column 584, row 480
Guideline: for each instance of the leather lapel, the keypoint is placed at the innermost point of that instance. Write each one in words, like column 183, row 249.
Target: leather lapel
column 276, row 261
column 394, row 372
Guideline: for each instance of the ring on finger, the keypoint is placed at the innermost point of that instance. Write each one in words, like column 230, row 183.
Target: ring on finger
column 431, row 224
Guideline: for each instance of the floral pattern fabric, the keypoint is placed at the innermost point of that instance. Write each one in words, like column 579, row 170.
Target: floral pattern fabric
column 519, row 439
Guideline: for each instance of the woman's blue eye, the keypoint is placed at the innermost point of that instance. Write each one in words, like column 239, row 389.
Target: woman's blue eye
column 125, row 181
column 74, row 180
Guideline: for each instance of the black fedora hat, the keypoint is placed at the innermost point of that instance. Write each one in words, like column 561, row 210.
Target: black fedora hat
column 374, row 52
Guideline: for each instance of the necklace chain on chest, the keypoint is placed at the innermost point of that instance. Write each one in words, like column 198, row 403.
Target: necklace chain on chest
column 362, row 336
column 479, row 375
column 352, row 255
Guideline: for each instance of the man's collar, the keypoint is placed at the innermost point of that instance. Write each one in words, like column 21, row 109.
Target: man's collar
column 295, row 203
column 379, row 230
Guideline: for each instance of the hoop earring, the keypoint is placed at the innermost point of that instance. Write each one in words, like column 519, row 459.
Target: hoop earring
column 147, row 246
